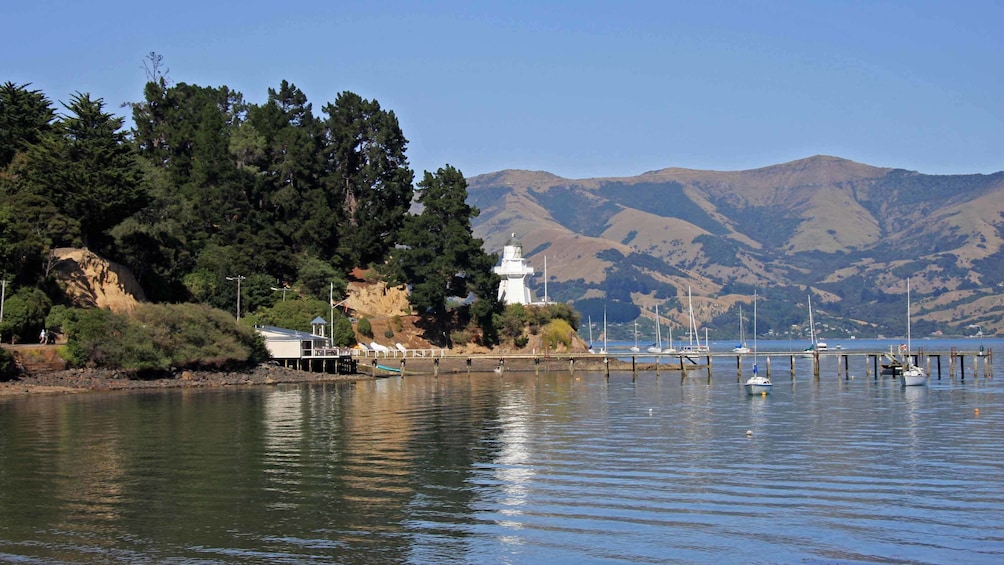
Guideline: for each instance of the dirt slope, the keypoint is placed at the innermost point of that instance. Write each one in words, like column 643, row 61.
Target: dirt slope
column 91, row 281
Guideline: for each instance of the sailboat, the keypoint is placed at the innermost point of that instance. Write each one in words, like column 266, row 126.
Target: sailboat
column 692, row 348
column 657, row 348
column 757, row 384
column 670, row 349
column 604, row 350
column 912, row 374
column 634, row 348
column 590, row 318
column 816, row 344
column 741, row 347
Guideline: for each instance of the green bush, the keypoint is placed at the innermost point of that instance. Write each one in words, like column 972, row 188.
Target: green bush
column 557, row 332
column 24, row 315
column 8, row 368
column 460, row 337
column 364, row 327
column 342, row 334
column 388, row 333
column 159, row 337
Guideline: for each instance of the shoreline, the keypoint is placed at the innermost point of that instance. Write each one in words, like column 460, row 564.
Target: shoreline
column 76, row 381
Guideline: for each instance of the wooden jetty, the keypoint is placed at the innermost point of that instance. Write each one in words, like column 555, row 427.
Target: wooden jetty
column 951, row 364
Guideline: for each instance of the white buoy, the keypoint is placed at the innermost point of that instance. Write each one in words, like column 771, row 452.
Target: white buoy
column 749, row 432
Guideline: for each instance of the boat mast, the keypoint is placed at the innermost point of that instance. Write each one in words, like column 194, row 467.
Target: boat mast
column 693, row 324
column 658, row 327
column 812, row 325
column 754, row 332
column 908, row 346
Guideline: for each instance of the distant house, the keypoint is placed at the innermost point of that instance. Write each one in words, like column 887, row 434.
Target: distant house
column 291, row 344
column 306, row 351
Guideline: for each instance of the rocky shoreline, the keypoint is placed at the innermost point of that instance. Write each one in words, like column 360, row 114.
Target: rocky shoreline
column 88, row 380
column 71, row 381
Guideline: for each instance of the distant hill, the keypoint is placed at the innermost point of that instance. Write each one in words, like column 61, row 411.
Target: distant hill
column 847, row 232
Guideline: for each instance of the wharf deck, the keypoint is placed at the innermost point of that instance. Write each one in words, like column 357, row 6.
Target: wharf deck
column 871, row 363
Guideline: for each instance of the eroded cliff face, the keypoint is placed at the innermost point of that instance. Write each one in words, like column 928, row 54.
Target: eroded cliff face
column 91, row 281
column 377, row 299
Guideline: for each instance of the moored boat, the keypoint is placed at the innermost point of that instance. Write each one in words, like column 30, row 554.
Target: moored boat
column 912, row 374
column 757, row 384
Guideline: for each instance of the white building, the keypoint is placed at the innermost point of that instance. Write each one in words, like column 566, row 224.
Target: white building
column 515, row 273
column 291, row 344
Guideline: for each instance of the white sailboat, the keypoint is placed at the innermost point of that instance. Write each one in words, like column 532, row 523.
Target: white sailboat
column 604, row 350
column 741, row 347
column 757, row 384
column 590, row 318
column 634, row 348
column 816, row 344
column 657, row 348
column 692, row 347
column 670, row 349
column 912, row 374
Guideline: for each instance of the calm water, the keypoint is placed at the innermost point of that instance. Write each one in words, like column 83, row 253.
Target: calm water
column 554, row 468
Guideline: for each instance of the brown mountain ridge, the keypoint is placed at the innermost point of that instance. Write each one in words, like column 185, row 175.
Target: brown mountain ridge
column 847, row 232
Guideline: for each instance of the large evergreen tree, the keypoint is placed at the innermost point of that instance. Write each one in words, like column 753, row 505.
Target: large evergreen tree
column 368, row 177
column 441, row 258
column 25, row 115
column 87, row 169
column 285, row 138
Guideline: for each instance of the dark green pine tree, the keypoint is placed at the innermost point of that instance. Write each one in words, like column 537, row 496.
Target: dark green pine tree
column 368, row 179
column 86, row 167
column 25, row 115
column 285, row 144
column 441, row 258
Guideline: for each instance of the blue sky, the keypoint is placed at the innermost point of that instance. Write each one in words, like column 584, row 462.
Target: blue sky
column 580, row 89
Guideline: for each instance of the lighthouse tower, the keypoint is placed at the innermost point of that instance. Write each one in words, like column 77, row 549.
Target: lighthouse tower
column 514, row 272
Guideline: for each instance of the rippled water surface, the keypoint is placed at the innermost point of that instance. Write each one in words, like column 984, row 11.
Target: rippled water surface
column 523, row 468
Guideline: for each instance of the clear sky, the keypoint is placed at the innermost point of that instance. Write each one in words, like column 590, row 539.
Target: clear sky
column 580, row 89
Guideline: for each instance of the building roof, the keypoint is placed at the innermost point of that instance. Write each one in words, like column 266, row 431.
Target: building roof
column 283, row 333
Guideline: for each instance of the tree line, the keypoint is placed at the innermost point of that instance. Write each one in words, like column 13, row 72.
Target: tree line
column 206, row 186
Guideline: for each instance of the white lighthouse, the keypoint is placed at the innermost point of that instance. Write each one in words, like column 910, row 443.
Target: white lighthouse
column 515, row 273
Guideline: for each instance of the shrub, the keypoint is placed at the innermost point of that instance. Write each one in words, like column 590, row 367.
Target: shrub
column 24, row 314
column 159, row 337
column 8, row 368
column 556, row 333
column 364, row 327
column 388, row 333
column 460, row 337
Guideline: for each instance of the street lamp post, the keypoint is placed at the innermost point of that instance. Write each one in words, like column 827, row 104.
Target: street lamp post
column 238, row 278
column 283, row 290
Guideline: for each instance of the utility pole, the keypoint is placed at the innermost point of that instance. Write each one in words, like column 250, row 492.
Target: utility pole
column 3, row 297
column 238, row 278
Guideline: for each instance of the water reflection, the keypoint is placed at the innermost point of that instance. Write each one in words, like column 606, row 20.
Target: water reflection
column 523, row 468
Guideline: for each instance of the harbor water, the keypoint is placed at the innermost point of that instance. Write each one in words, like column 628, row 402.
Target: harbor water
column 556, row 467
